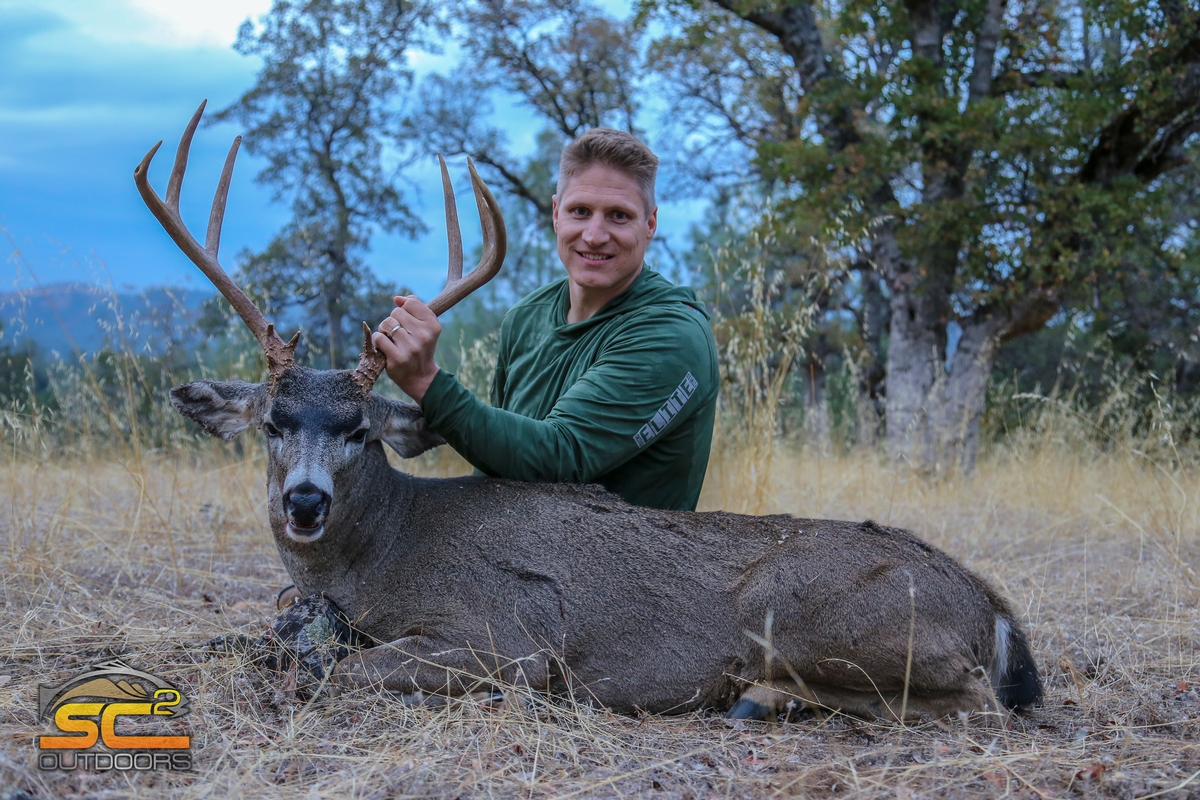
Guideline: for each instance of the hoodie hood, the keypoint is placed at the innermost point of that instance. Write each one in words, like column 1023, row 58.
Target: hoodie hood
column 648, row 289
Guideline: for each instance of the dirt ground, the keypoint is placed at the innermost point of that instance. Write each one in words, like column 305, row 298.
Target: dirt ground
column 149, row 559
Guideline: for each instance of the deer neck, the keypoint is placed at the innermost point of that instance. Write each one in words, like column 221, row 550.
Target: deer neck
column 366, row 526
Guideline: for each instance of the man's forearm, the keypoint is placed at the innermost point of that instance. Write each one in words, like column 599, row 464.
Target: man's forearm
column 501, row 443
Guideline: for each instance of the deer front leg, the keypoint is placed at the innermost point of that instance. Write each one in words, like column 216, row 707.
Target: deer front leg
column 427, row 664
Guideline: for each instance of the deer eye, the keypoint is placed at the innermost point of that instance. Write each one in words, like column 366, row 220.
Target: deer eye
column 358, row 437
column 271, row 430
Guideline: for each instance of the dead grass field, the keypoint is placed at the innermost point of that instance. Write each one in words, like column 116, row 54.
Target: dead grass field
column 149, row 559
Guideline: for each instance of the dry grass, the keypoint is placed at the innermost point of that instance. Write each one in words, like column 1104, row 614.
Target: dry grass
column 148, row 561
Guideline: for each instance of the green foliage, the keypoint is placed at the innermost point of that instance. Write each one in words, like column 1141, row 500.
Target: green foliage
column 115, row 402
column 981, row 164
column 1030, row 214
column 1099, row 406
column 842, row 398
column 22, row 374
column 112, row 403
column 846, row 321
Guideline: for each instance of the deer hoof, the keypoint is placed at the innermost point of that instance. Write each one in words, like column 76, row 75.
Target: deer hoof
column 287, row 596
column 745, row 708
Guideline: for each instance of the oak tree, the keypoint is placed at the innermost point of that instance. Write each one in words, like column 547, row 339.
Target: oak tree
column 987, row 163
column 324, row 112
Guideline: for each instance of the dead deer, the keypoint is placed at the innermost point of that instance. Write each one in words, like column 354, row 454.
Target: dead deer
column 568, row 589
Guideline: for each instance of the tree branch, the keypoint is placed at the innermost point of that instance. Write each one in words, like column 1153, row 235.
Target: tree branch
column 1146, row 140
column 516, row 185
column 796, row 29
column 795, row 26
column 1016, row 81
column 1167, row 151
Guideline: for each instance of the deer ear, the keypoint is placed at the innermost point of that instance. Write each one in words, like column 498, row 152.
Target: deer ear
column 223, row 408
column 402, row 427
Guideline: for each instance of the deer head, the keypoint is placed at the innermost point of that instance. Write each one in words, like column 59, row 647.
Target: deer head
column 319, row 424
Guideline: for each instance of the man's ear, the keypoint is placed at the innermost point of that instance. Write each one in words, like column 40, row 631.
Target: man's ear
column 402, row 427
column 223, row 408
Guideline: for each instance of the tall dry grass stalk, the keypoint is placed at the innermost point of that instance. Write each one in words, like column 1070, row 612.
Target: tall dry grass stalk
column 761, row 318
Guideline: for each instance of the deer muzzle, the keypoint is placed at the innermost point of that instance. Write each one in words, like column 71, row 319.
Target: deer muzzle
column 305, row 507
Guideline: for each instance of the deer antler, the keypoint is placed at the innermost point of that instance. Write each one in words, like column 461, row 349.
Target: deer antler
column 280, row 354
column 495, row 243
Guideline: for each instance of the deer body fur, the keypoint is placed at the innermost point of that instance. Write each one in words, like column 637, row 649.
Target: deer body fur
column 568, row 589
column 649, row 610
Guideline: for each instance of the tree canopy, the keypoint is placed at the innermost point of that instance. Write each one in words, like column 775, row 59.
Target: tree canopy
column 988, row 164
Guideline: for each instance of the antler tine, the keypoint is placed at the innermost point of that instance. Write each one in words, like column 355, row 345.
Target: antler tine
column 495, row 236
column 372, row 362
column 495, row 245
column 175, row 183
column 453, row 229
column 280, row 355
column 216, row 217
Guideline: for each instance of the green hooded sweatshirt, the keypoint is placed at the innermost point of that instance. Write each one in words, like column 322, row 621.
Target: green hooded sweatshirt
column 625, row 399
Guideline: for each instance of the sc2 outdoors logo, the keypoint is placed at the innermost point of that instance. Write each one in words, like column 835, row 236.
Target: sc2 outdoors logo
column 87, row 708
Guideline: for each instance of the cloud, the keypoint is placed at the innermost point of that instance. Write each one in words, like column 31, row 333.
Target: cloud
column 50, row 62
column 158, row 23
column 213, row 22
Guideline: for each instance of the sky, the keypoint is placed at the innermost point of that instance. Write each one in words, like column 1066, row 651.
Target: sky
column 90, row 85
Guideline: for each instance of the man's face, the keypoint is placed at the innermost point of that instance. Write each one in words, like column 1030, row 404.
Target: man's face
column 603, row 229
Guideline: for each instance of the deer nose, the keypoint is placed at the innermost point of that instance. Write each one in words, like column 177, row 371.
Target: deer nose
column 306, row 504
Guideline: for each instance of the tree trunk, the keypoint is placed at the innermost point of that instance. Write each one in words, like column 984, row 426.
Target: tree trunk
column 335, row 309
column 916, row 353
column 338, row 255
column 957, row 401
column 934, row 402
column 934, row 408
column 337, row 342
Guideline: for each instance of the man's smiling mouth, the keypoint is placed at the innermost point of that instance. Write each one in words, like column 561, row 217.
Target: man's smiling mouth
column 595, row 256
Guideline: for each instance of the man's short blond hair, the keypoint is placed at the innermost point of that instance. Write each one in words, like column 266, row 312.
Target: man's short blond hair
column 611, row 148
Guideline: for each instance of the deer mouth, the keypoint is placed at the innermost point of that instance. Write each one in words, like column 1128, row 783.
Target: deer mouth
column 299, row 532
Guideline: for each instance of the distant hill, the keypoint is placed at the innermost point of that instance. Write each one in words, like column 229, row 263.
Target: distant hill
column 62, row 317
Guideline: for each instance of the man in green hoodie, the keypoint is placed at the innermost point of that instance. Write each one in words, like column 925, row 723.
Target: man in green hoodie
column 607, row 376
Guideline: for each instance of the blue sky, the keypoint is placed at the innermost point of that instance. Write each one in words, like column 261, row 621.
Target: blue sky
column 90, row 85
